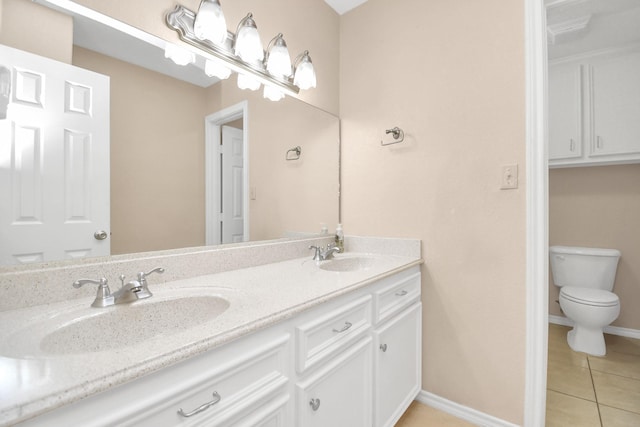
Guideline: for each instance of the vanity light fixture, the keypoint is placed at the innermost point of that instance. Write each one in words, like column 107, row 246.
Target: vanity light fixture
column 305, row 74
column 179, row 55
column 210, row 23
column 242, row 53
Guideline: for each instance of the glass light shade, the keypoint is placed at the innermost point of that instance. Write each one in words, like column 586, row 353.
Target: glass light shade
column 210, row 23
column 213, row 69
column 248, row 44
column 179, row 55
column 305, row 75
column 272, row 94
column 248, row 82
column 279, row 61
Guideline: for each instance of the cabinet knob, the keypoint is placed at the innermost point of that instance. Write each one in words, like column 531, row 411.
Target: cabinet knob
column 383, row 347
column 315, row 404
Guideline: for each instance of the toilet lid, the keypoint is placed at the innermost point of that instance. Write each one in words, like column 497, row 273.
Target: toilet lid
column 590, row 296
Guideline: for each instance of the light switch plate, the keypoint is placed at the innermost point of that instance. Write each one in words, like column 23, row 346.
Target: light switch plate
column 509, row 179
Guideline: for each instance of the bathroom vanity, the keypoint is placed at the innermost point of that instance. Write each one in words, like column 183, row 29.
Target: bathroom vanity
column 293, row 342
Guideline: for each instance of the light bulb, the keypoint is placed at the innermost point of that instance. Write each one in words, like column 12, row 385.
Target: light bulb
column 279, row 61
column 248, row 82
column 305, row 75
column 248, row 44
column 210, row 23
column 273, row 94
column 213, row 69
column 179, row 55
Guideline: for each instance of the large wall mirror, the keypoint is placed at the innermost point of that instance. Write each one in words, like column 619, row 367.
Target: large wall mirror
column 192, row 161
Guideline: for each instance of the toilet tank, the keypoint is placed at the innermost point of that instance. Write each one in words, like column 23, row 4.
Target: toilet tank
column 584, row 267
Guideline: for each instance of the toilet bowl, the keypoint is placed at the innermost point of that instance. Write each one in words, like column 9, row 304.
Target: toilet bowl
column 591, row 311
column 586, row 277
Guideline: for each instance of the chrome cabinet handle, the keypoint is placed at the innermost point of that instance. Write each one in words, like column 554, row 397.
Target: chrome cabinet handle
column 203, row 407
column 383, row 347
column 346, row 326
column 315, row 404
column 401, row 293
column 598, row 141
column 572, row 144
column 100, row 235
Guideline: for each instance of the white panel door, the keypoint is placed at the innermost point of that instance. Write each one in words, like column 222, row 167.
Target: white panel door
column 54, row 161
column 232, row 185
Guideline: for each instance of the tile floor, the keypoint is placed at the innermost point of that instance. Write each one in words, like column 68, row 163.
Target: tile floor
column 419, row 415
column 587, row 391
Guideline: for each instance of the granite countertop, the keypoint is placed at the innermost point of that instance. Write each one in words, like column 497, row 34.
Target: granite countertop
column 33, row 382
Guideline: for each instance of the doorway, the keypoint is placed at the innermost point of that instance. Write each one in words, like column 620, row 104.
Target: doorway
column 227, row 175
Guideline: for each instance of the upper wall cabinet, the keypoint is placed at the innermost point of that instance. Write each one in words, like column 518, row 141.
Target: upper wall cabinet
column 594, row 109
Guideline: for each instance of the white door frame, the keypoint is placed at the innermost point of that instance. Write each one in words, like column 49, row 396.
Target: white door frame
column 537, row 233
column 213, row 123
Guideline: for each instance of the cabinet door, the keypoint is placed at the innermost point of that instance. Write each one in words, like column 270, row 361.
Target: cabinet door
column 565, row 111
column 397, row 364
column 340, row 393
column 615, row 101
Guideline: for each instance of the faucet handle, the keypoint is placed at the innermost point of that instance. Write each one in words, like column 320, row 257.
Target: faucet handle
column 103, row 296
column 142, row 275
column 318, row 254
column 79, row 283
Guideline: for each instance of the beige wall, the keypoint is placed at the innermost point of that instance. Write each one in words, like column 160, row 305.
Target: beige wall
column 451, row 74
column 600, row 207
column 157, row 157
column 306, row 24
column 37, row 29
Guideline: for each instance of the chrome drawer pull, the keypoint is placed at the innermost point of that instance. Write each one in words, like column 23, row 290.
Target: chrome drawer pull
column 383, row 347
column 315, row 404
column 346, row 326
column 402, row 293
column 216, row 399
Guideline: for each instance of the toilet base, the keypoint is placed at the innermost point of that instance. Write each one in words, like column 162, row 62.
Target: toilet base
column 587, row 340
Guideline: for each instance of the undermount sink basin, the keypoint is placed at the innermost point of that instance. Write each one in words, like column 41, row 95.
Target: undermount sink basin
column 348, row 264
column 81, row 329
column 125, row 325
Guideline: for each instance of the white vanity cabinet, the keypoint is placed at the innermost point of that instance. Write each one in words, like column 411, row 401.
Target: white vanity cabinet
column 397, row 341
column 594, row 109
column 351, row 361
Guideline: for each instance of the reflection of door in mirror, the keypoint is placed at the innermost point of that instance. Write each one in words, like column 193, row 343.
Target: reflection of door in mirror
column 54, row 162
column 232, row 177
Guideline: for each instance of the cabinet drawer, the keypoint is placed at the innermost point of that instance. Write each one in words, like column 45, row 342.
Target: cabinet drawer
column 321, row 338
column 272, row 414
column 395, row 297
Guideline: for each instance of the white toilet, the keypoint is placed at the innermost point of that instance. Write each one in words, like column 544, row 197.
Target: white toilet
column 585, row 277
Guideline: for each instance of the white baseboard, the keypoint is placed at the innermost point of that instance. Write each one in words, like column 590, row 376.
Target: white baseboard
column 460, row 411
column 613, row 330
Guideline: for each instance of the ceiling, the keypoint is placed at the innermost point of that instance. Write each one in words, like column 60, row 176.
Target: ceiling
column 578, row 26
column 344, row 6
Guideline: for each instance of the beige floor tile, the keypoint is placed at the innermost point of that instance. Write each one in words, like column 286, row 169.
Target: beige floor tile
column 626, row 365
column 571, row 380
column 622, row 344
column 563, row 411
column 419, row 415
column 612, row 417
column 617, row 392
column 559, row 350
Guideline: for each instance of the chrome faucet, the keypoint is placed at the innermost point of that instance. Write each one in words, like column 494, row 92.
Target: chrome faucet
column 128, row 292
column 323, row 255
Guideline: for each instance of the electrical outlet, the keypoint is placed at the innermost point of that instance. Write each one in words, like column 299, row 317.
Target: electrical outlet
column 509, row 177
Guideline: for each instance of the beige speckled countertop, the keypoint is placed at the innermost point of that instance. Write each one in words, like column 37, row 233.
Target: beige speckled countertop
column 32, row 381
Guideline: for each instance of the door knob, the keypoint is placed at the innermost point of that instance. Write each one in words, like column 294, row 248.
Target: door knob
column 100, row 235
